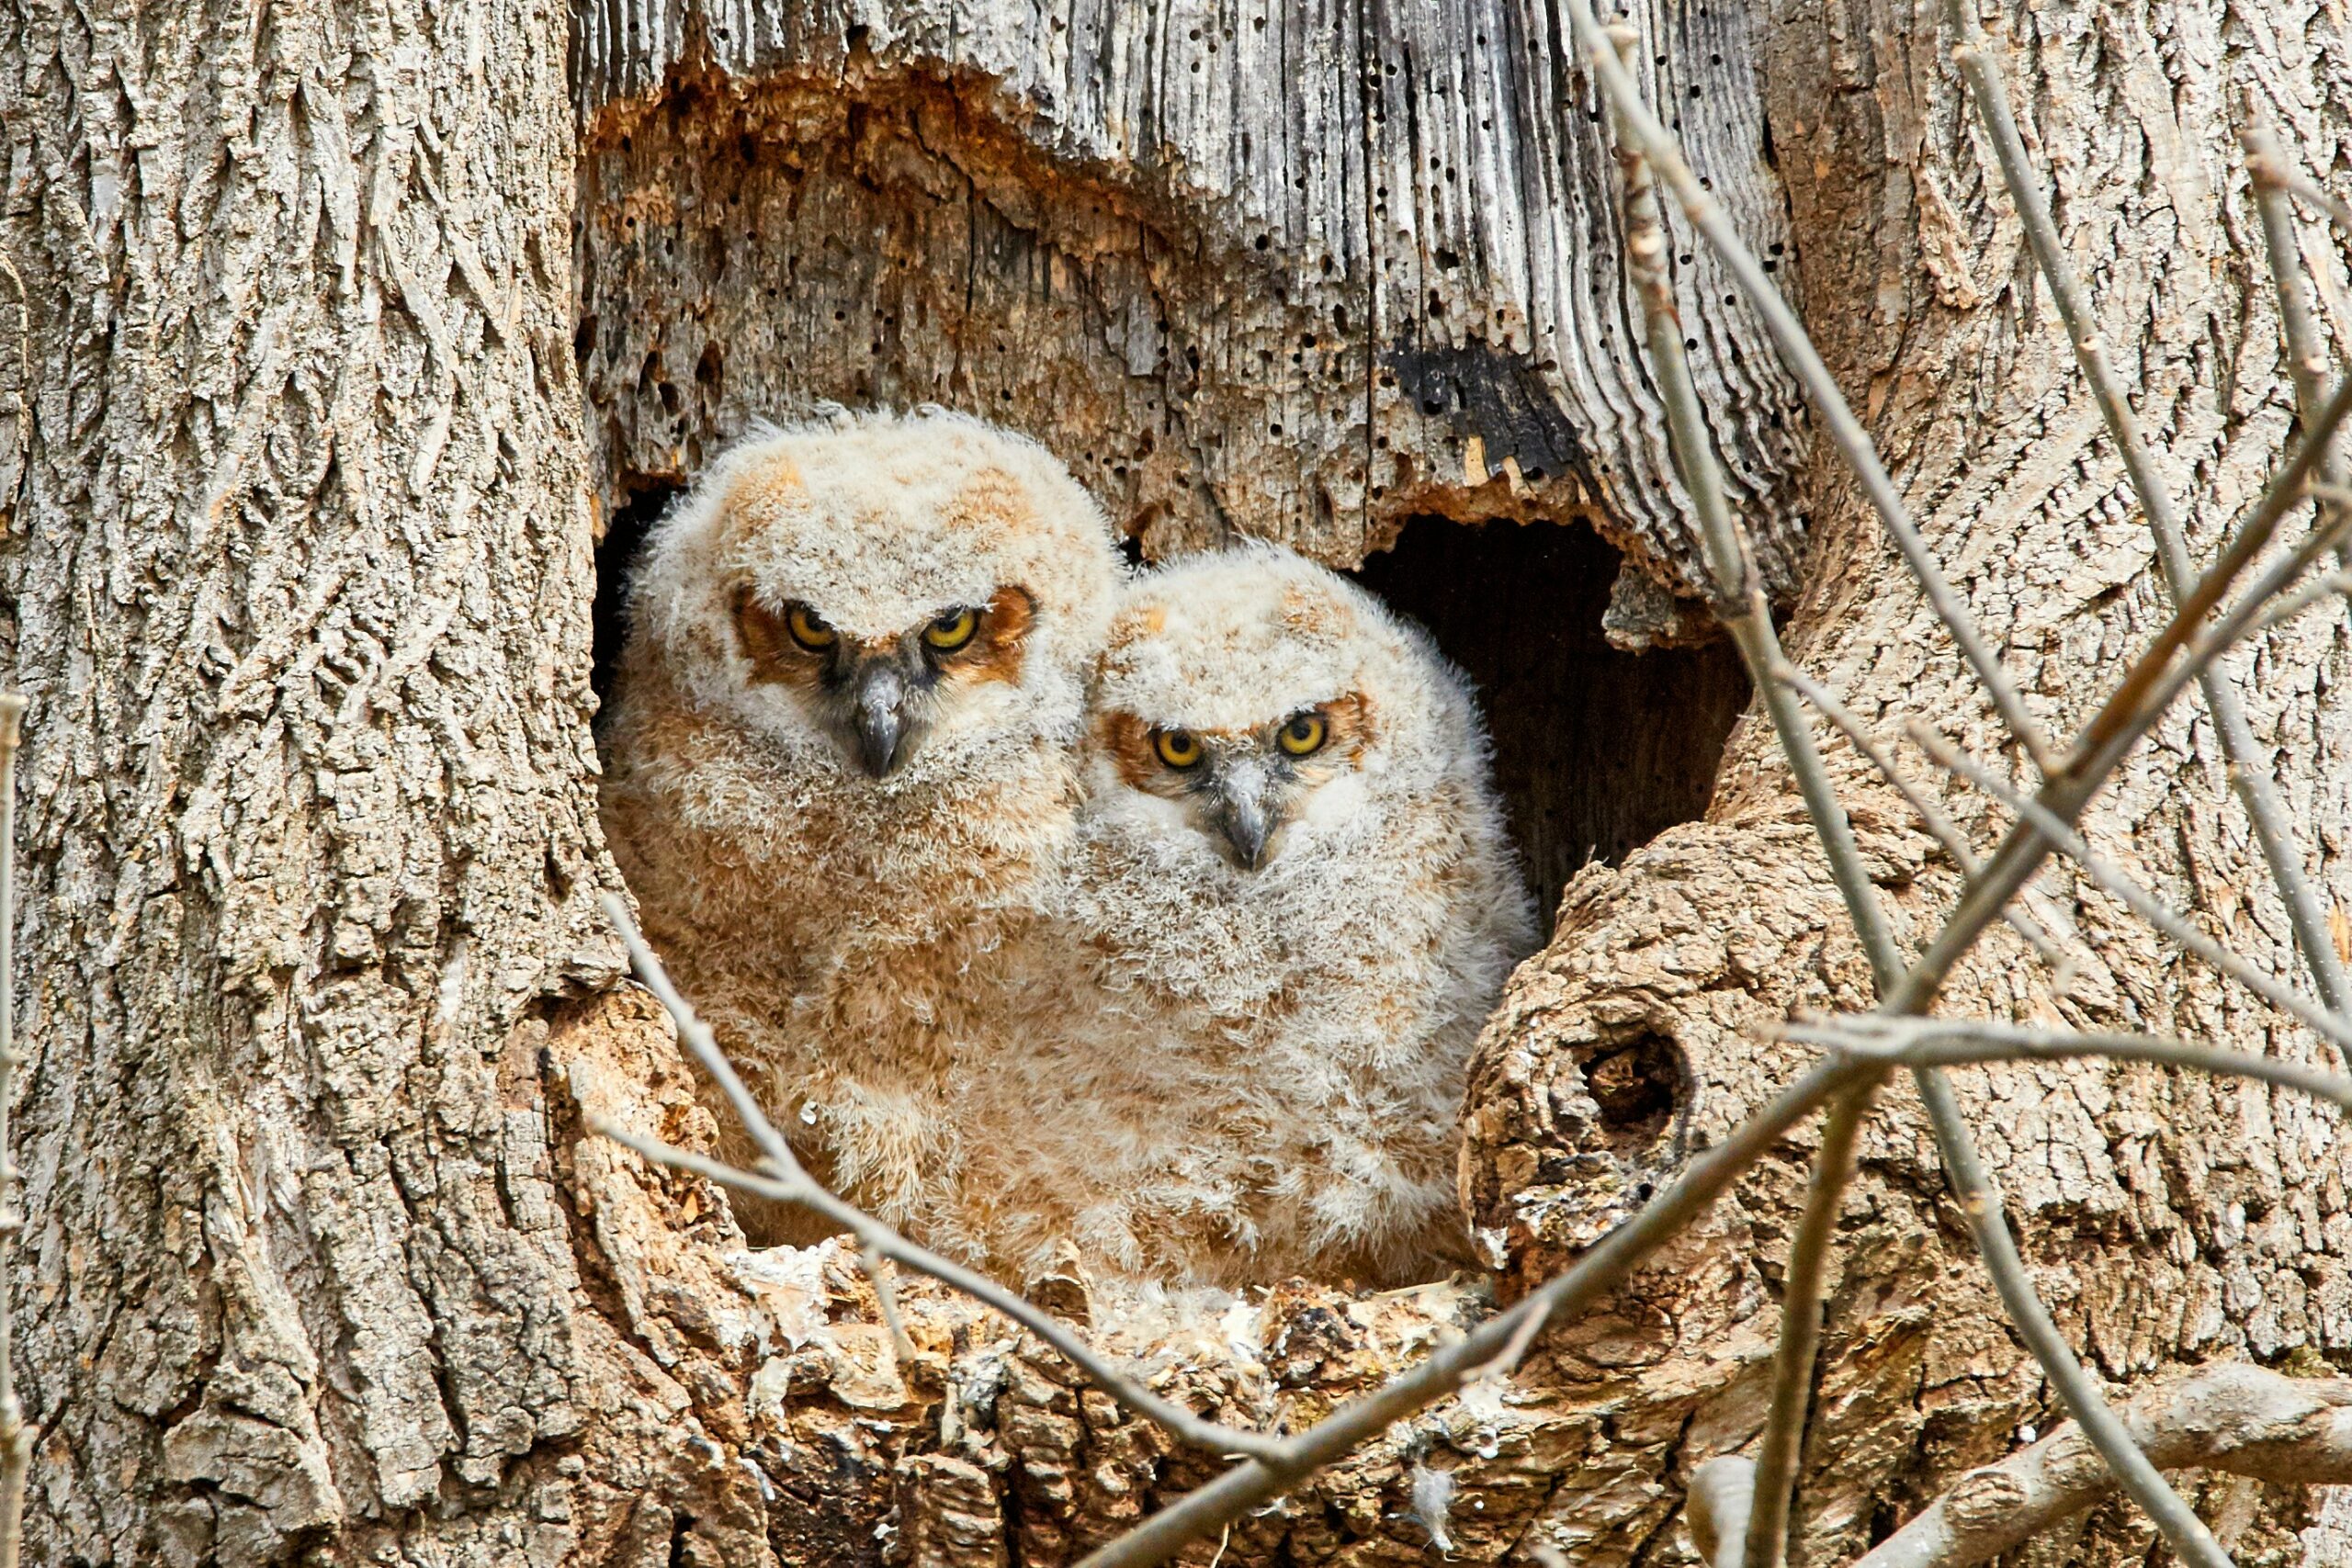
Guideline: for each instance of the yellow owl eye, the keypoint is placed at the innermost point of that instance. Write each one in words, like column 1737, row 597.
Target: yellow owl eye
column 809, row 628
column 953, row 630
column 1304, row 735
column 1177, row 747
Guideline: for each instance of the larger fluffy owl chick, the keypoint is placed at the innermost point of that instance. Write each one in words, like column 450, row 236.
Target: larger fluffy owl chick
column 1301, row 903
column 841, row 763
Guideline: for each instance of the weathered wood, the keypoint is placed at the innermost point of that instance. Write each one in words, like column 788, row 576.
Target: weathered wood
column 1296, row 271
column 2167, row 1219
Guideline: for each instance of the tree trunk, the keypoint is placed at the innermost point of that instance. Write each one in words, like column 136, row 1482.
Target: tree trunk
column 320, row 1259
column 298, row 581
column 2169, row 1219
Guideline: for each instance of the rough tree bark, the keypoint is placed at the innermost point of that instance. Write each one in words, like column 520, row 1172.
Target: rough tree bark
column 298, row 574
column 2169, row 1219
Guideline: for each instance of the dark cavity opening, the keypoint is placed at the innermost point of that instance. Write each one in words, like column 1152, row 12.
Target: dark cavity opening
column 1596, row 751
column 617, row 554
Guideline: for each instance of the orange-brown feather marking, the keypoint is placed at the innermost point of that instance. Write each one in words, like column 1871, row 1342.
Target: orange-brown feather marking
column 995, row 651
column 768, row 643
column 1347, row 727
column 1127, row 740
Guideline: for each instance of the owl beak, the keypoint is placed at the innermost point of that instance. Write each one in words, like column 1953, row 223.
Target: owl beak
column 881, row 700
column 1243, row 817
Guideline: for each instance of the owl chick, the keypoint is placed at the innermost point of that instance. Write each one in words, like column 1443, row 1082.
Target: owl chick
column 1297, row 903
column 840, row 766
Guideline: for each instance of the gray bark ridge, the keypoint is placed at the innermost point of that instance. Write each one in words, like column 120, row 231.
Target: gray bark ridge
column 2167, row 1220
column 1299, row 271
column 299, row 584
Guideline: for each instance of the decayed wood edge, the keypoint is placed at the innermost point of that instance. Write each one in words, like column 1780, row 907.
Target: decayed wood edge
column 2238, row 1418
column 1533, row 250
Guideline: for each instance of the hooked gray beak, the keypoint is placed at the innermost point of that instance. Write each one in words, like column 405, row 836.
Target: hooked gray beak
column 881, row 695
column 1243, row 817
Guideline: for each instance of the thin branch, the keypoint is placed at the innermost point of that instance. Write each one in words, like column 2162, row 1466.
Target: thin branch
column 1739, row 606
column 2317, row 196
column 2141, row 902
column 2334, row 585
column 1937, row 1042
column 1642, row 131
column 1601, row 1269
column 2280, row 849
column 1741, row 609
column 1942, row 828
column 1773, row 1483
column 695, row 1035
column 1513, row 1349
column 15, row 1436
column 2236, row 1419
column 2261, row 605
column 2269, row 170
column 885, row 1298
column 793, row 1185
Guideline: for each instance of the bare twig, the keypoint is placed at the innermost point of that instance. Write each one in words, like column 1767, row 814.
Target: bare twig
column 2141, row 902
column 2317, row 197
column 885, row 1298
column 2236, row 1419
column 1506, row 1362
column 2280, row 850
column 2335, row 584
column 1739, row 606
column 2267, row 165
column 791, row 1184
column 1942, row 828
column 695, row 1035
column 1593, row 1276
column 1772, row 1481
column 15, row 1436
column 2258, row 606
column 1937, row 1042
column 1642, row 131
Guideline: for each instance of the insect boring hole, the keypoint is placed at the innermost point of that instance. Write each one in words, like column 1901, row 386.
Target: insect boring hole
column 617, row 554
column 1597, row 751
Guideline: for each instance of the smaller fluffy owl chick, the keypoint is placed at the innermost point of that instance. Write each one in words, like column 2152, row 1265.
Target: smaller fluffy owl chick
column 842, row 761
column 1294, row 882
